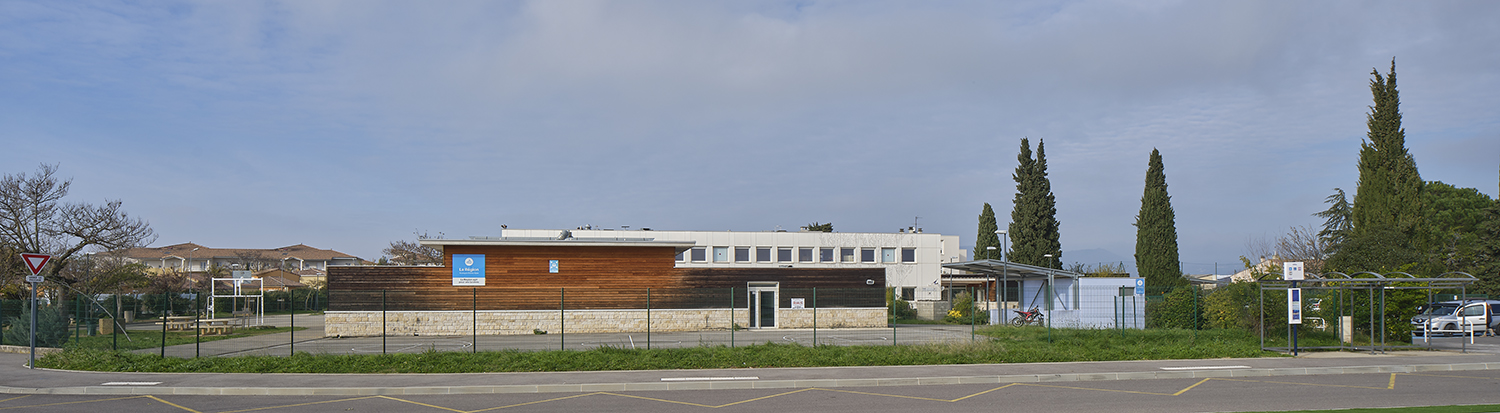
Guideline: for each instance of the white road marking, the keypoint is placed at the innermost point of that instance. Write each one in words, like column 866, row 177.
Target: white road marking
column 707, row 378
column 132, row 383
column 1205, row 368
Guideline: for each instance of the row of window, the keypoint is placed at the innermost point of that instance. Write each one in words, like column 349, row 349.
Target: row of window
column 802, row 254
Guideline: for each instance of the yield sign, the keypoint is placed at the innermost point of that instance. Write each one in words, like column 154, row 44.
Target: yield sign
column 34, row 262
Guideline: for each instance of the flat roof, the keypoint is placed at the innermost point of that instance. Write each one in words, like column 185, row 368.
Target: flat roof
column 1011, row 269
column 548, row 242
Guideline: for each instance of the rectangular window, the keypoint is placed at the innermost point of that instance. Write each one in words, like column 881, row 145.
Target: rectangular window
column 825, row 254
column 783, row 254
column 847, row 253
column 700, row 254
column 887, row 255
column 909, row 293
column 763, row 254
column 742, row 254
column 682, row 255
column 721, row 254
column 908, row 255
column 867, row 255
column 805, row 254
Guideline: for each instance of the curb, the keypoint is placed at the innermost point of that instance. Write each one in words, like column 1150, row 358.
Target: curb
column 748, row 384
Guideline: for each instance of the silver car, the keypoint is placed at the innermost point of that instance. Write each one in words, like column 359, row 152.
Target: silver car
column 1457, row 317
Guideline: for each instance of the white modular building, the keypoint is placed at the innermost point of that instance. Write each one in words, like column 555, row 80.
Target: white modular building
column 912, row 259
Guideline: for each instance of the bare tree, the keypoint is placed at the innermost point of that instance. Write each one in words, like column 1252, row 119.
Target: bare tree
column 1300, row 243
column 254, row 260
column 34, row 218
column 102, row 273
column 403, row 252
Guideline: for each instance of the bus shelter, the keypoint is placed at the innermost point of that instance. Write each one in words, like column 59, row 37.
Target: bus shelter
column 1373, row 287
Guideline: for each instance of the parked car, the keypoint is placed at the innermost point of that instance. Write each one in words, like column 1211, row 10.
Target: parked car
column 1457, row 317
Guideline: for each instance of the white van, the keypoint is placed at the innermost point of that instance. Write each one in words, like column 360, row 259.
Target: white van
column 1457, row 317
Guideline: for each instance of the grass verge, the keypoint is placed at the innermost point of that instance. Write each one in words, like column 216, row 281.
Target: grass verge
column 998, row 345
column 144, row 339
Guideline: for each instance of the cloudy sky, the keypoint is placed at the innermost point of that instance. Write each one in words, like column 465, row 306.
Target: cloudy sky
column 346, row 125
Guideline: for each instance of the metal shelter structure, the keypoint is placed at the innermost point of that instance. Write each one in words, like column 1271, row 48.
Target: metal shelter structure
column 995, row 276
column 1374, row 284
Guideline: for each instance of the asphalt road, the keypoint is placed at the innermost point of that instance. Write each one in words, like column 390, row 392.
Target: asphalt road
column 1158, row 396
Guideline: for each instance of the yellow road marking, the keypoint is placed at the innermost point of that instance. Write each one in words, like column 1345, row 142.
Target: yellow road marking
column 983, row 392
column 158, row 399
column 891, row 395
column 1393, row 382
column 13, row 398
column 765, row 397
column 300, row 404
column 1180, row 392
column 536, row 402
column 73, row 402
column 421, row 404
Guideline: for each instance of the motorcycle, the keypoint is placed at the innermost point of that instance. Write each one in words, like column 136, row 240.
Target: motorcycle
column 1027, row 317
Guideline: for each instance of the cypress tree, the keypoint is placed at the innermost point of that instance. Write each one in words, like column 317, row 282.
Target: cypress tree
column 1387, row 210
column 1156, row 230
column 1388, row 196
column 1033, row 219
column 986, row 237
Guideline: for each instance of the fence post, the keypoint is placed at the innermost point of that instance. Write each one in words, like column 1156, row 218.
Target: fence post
column 648, row 318
column 292, row 322
column 382, row 321
column 197, row 330
column 562, row 319
column 815, row 316
column 164, row 309
column 114, row 331
column 474, row 316
column 731, row 317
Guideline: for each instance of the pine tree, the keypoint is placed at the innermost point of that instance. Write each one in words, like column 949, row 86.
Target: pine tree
column 1156, row 231
column 1387, row 211
column 987, row 236
column 1033, row 219
column 1336, row 219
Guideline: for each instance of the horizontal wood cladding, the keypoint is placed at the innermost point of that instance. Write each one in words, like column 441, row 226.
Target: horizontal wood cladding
column 578, row 266
column 517, row 278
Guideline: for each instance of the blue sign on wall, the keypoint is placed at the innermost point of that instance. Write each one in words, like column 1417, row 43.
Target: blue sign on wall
column 1140, row 286
column 468, row 270
column 552, row 266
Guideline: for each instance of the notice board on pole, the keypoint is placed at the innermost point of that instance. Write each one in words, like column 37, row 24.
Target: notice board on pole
column 468, row 270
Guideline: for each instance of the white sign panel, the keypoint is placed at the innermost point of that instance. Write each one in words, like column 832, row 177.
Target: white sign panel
column 34, row 278
column 799, row 303
column 1292, row 271
column 1294, row 305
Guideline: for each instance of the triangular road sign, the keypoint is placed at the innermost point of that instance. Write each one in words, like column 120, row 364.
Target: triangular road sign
column 34, row 262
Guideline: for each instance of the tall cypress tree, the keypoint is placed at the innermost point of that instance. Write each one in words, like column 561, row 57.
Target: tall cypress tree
column 986, row 237
column 1388, row 197
column 1387, row 210
column 1156, row 230
column 1033, row 219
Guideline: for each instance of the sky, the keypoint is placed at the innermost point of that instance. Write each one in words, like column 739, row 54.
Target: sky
column 350, row 124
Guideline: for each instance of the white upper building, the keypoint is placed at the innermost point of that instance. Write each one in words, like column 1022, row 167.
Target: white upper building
column 912, row 260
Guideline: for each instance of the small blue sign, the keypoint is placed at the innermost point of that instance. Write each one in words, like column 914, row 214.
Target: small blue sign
column 468, row 270
column 552, row 266
column 1140, row 286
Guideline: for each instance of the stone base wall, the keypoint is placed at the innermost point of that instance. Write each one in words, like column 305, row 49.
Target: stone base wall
column 502, row 322
column 932, row 310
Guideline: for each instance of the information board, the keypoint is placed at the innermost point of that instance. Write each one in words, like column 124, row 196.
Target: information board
column 1294, row 306
column 468, row 270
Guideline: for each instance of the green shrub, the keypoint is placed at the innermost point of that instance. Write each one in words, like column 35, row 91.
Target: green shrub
column 51, row 327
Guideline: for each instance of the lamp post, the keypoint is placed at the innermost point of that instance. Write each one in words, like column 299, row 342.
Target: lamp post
column 1004, row 264
column 1050, row 292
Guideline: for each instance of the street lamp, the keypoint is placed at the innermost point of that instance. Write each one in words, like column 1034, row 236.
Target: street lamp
column 1004, row 264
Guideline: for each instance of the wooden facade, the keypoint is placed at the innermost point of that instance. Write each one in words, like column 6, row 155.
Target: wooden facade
column 517, row 277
